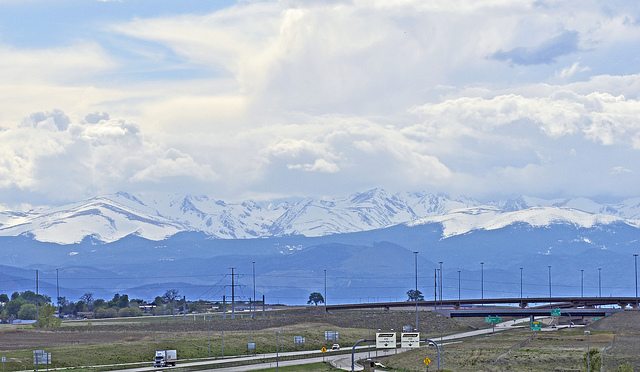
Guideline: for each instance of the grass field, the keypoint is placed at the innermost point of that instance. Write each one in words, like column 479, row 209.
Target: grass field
column 616, row 337
column 101, row 342
column 315, row 367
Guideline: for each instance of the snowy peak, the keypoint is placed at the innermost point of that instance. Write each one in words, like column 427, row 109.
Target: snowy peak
column 487, row 218
column 112, row 217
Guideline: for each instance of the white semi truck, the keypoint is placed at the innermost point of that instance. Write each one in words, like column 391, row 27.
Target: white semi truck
column 165, row 358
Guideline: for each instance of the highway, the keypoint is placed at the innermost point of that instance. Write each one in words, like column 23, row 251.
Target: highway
column 342, row 361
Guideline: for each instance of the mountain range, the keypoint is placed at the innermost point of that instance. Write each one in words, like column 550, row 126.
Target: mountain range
column 156, row 217
column 144, row 244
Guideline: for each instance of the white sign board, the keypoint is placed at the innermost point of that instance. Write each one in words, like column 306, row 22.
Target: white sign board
column 410, row 340
column 386, row 340
column 4, row 359
column 41, row 357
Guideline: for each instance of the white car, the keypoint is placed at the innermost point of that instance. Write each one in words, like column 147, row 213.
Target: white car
column 335, row 347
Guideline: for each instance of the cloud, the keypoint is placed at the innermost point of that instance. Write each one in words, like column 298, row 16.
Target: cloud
column 329, row 97
column 65, row 159
column 547, row 52
column 570, row 71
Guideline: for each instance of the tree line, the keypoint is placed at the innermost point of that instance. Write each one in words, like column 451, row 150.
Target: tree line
column 28, row 305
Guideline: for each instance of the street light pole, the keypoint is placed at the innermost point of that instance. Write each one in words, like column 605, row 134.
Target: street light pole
column 549, row 266
column 458, row 286
column 325, row 290
column 415, row 254
column 253, row 308
column 440, row 263
column 635, row 262
column 521, row 284
column 482, row 280
column 599, row 282
column 581, row 282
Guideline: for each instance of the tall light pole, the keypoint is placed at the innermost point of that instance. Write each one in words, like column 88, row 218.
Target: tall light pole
column 635, row 262
column 482, row 280
column 440, row 263
column 253, row 308
column 521, row 284
column 581, row 282
column 599, row 282
column 325, row 290
column 58, row 293
column 458, row 286
column 435, row 288
column 415, row 255
column 549, row 266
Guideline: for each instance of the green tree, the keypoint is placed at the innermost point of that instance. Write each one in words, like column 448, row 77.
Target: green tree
column 625, row 368
column 4, row 297
column 106, row 312
column 414, row 295
column 129, row 311
column 13, row 307
column 47, row 318
column 595, row 360
column 315, row 298
column 87, row 299
column 27, row 311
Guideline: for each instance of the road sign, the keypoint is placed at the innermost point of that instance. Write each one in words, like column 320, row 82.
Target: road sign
column 41, row 357
column 536, row 326
column 298, row 340
column 386, row 340
column 493, row 319
column 331, row 335
column 410, row 340
column 251, row 346
column 555, row 312
column 426, row 361
column 323, row 350
column 4, row 359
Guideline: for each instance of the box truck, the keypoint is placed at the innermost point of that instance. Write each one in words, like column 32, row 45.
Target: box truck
column 165, row 358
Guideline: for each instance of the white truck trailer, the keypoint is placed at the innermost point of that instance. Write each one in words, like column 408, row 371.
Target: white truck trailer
column 165, row 358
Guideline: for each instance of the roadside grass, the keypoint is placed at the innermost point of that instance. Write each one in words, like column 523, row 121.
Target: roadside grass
column 315, row 367
column 517, row 350
column 105, row 342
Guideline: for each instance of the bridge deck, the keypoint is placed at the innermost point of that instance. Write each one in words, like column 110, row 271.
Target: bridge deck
column 563, row 302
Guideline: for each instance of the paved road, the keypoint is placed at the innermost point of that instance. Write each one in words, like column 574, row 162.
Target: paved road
column 342, row 361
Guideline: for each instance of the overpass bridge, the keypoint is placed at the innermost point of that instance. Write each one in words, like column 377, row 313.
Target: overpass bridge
column 517, row 312
column 540, row 302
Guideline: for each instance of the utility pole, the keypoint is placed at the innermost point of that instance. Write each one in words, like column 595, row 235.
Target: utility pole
column 233, row 293
column 415, row 254
column 253, row 307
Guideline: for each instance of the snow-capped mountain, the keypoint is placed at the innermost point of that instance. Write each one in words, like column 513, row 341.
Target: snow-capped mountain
column 156, row 217
column 463, row 221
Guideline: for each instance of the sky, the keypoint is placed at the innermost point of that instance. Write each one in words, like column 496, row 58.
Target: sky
column 265, row 99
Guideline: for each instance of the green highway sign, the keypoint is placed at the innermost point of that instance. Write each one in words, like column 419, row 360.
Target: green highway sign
column 492, row 319
column 555, row 312
column 536, row 326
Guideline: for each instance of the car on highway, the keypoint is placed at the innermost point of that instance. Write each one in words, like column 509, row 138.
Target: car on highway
column 335, row 347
